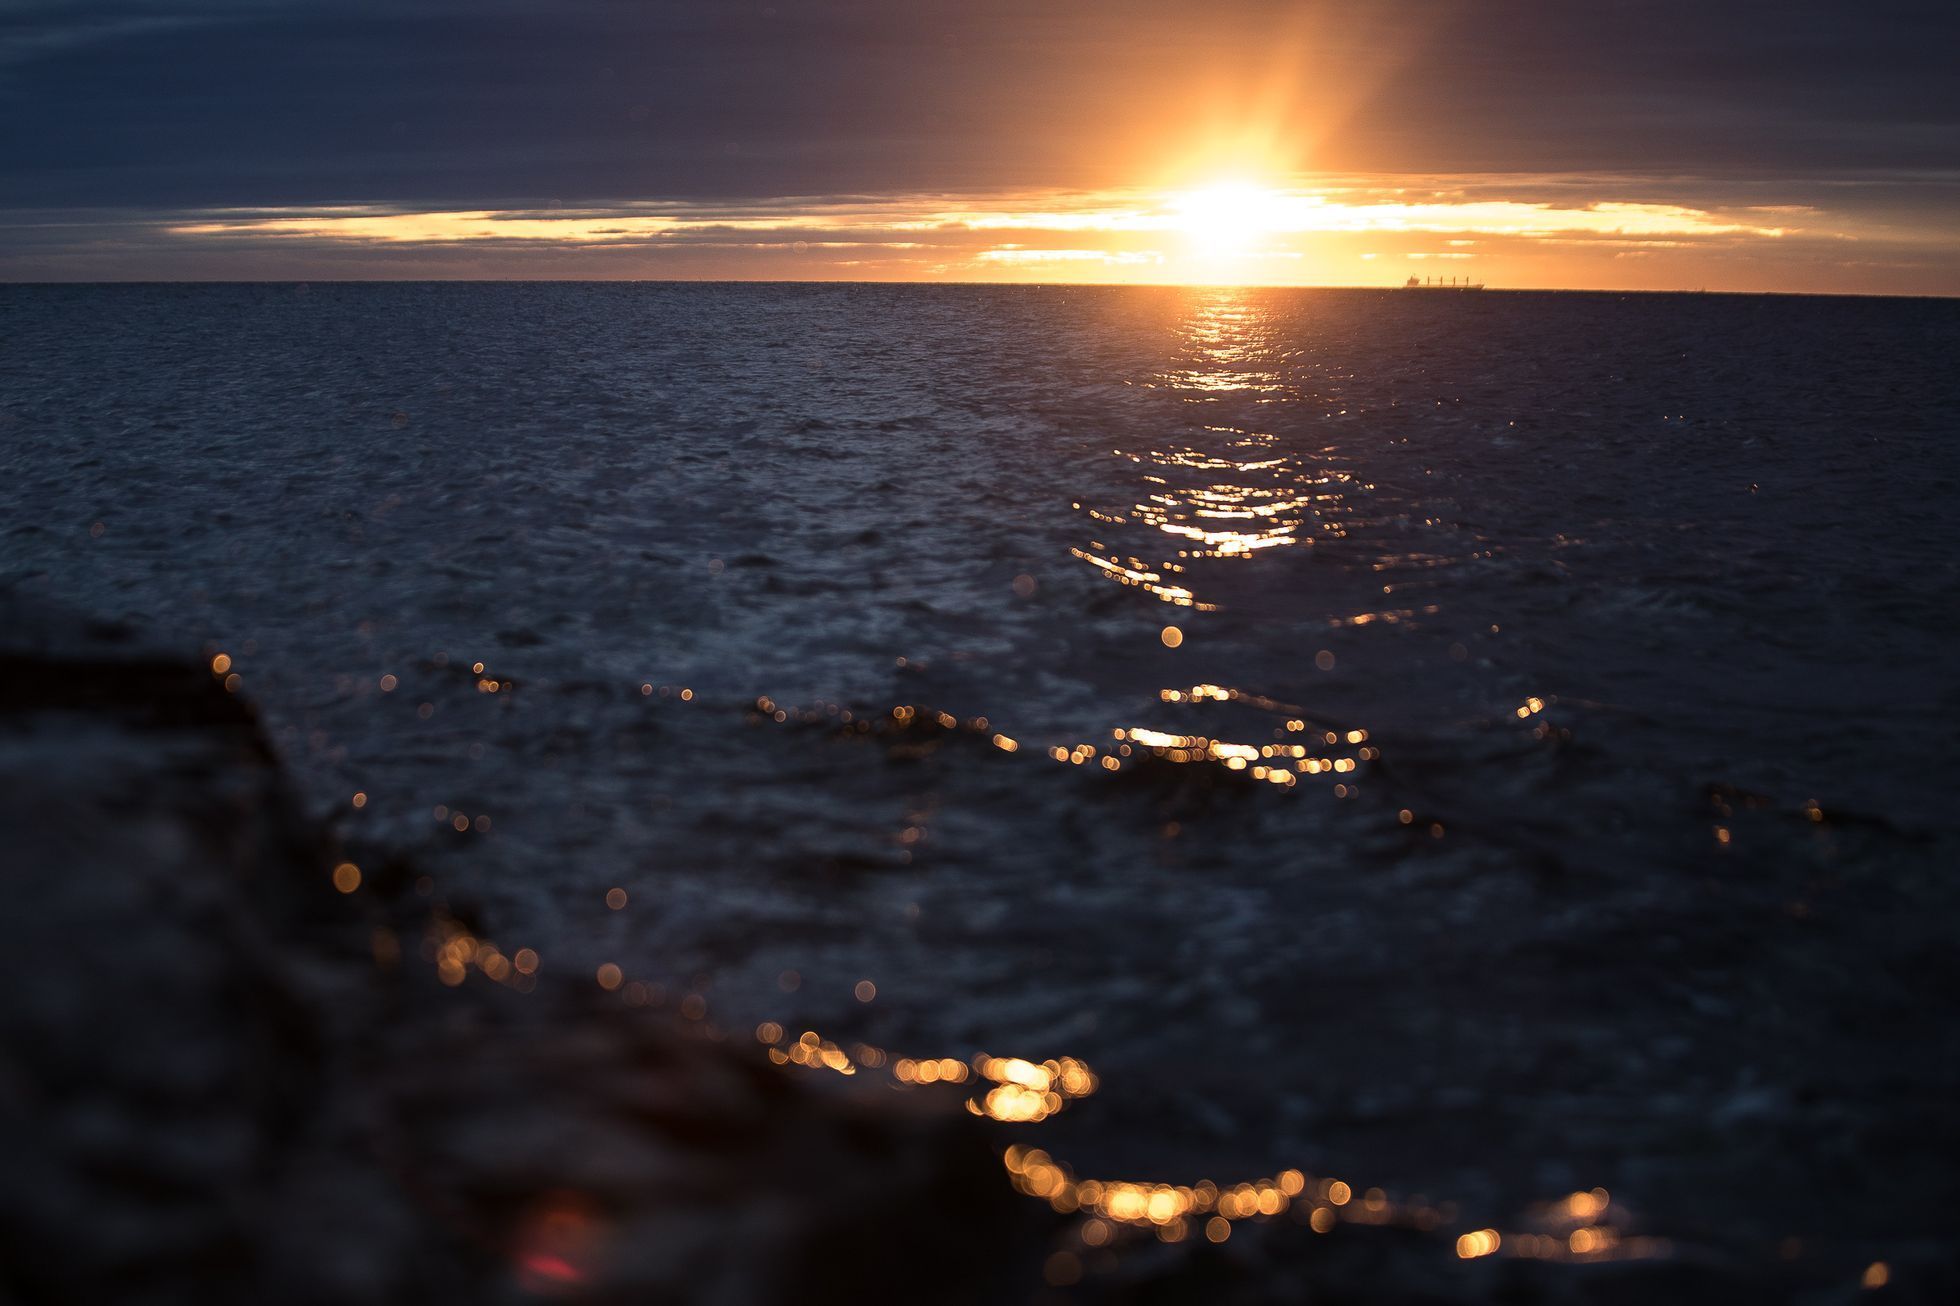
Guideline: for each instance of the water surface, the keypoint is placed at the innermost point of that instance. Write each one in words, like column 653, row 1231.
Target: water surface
column 1545, row 784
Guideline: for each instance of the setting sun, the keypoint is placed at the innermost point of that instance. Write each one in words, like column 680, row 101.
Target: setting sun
column 1227, row 219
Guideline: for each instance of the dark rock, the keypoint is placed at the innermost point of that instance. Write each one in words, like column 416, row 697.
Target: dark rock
column 223, row 1085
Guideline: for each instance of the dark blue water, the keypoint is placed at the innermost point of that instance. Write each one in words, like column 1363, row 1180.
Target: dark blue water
column 1547, row 783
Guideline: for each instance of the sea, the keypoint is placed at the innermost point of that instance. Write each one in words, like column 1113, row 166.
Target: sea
column 1491, row 748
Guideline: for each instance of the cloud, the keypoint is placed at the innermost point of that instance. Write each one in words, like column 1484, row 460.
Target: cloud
column 1336, row 232
column 492, row 102
column 895, row 220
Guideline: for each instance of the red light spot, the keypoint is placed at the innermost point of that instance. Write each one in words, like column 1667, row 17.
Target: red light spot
column 552, row 1269
column 558, row 1244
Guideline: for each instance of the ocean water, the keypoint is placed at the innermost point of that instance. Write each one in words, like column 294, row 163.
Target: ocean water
column 1481, row 746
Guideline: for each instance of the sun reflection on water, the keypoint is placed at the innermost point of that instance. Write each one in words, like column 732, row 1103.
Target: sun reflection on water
column 1021, row 1092
column 1229, row 492
column 1298, row 745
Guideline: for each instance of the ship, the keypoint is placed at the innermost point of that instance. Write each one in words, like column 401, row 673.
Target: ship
column 1439, row 283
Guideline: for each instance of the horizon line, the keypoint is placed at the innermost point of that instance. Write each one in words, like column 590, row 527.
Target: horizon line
column 952, row 284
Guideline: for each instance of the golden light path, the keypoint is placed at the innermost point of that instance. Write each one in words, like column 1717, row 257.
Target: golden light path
column 1228, row 491
column 1214, row 232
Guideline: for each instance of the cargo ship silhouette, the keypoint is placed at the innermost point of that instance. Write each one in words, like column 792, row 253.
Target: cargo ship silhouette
column 1434, row 283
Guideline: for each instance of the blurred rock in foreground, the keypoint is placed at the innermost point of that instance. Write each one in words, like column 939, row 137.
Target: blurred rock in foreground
column 222, row 1084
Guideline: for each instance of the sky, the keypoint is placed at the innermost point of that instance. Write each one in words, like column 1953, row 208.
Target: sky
column 1804, row 145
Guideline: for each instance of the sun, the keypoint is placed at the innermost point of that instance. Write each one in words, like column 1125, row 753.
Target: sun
column 1226, row 218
